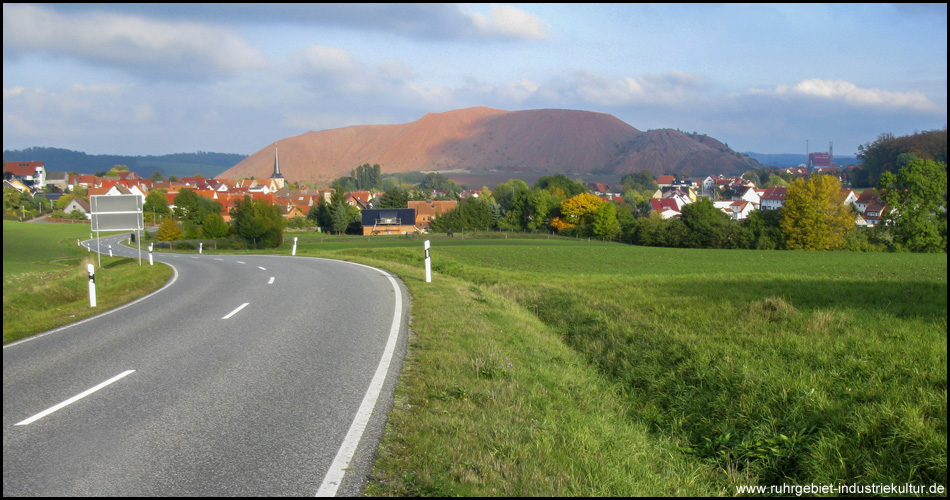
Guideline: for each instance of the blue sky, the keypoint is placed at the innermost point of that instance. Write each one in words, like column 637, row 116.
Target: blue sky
column 144, row 79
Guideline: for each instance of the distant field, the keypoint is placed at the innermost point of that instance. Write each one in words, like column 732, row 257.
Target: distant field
column 40, row 245
column 661, row 371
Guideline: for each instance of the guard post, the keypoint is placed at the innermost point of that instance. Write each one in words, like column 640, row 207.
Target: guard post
column 428, row 263
column 92, row 284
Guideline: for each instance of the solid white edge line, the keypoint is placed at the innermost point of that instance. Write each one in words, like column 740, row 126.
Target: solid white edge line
column 73, row 399
column 334, row 476
column 232, row 313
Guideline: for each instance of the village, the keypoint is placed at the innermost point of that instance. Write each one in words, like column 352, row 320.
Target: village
column 735, row 196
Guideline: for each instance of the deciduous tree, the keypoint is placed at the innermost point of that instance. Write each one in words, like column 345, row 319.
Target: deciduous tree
column 814, row 216
column 169, row 230
column 258, row 222
column 917, row 199
column 214, row 226
column 606, row 225
column 579, row 210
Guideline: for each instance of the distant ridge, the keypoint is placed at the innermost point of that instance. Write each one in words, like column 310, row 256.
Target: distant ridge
column 178, row 164
column 486, row 139
column 785, row 160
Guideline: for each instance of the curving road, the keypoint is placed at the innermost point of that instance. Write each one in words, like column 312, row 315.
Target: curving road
column 246, row 375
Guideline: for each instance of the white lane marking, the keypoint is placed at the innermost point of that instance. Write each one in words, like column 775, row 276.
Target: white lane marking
column 331, row 482
column 240, row 262
column 195, row 257
column 261, row 268
column 232, row 313
column 271, row 282
column 218, row 258
column 73, row 399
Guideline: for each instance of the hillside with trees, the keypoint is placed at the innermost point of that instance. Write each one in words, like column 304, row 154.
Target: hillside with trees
column 178, row 164
column 883, row 154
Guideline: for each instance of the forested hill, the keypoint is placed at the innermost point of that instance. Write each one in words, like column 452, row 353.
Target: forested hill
column 178, row 164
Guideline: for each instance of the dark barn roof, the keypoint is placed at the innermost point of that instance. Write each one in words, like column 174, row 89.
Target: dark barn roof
column 389, row 216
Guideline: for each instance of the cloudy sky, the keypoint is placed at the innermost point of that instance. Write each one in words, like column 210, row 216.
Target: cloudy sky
column 144, row 79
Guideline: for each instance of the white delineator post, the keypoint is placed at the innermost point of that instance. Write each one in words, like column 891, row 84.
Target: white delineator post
column 92, row 284
column 150, row 253
column 294, row 250
column 428, row 264
column 110, row 250
column 200, row 246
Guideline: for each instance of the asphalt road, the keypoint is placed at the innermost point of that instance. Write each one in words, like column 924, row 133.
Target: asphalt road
column 246, row 375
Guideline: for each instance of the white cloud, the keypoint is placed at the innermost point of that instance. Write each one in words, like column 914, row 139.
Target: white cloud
column 673, row 88
column 840, row 90
column 504, row 21
column 322, row 59
column 518, row 91
column 155, row 48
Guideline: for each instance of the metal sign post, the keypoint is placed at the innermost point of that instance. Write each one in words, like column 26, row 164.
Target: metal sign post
column 116, row 213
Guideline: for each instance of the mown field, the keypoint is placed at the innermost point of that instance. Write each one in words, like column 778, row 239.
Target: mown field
column 559, row 367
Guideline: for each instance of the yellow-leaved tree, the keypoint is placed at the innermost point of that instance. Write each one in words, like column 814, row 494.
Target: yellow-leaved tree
column 169, row 230
column 580, row 210
column 814, row 215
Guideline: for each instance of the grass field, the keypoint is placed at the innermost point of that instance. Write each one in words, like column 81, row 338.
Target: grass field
column 544, row 366
column 559, row 367
column 45, row 283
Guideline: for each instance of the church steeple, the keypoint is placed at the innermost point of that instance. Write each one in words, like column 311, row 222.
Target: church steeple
column 276, row 174
column 278, row 179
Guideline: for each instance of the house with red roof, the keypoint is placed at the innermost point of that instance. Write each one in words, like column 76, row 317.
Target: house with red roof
column 30, row 173
column 736, row 209
column 665, row 181
column 773, row 198
column 666, row 207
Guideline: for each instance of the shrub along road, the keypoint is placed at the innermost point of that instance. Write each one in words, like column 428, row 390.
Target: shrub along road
column 246, row 375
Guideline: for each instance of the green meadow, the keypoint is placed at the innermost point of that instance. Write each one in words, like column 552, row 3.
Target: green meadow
column 545, row 366
column 562, row 367
column 46, row 285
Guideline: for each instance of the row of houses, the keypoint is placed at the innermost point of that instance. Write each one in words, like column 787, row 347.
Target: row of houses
column 668, row 202
column 293, row 203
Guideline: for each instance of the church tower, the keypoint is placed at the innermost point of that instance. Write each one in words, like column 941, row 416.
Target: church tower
column 278, row 178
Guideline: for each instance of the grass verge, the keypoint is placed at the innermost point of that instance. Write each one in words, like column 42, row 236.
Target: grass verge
column 45, row 283
column 573, row 368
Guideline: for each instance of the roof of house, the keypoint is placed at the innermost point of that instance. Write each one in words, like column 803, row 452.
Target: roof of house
column 79, row 201
column 402, row 216
column 662, row 204
column 22, row 168
column 775, row 193
column 868, row 196
column 436, row 207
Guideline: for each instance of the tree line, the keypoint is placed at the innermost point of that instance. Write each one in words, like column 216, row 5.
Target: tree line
column 814, row 215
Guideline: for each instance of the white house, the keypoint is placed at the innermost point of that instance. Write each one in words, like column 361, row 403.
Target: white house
column 773, row 198
column 78, row 204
